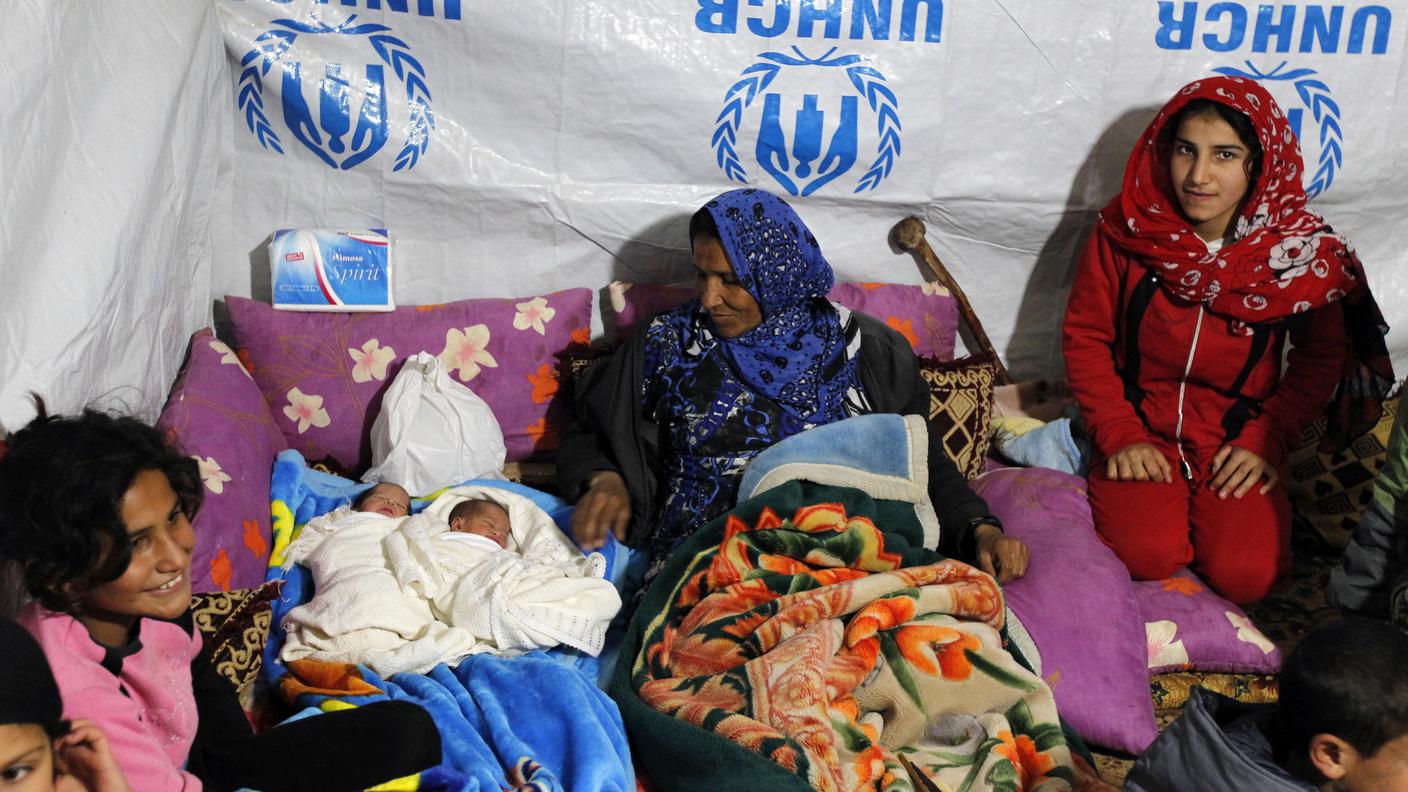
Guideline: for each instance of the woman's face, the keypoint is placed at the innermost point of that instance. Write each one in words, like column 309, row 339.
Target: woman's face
column 157, row 581
column 1208, row 166
column 732, row 308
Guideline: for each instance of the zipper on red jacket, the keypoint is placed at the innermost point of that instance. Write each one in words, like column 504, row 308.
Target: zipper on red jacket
column 1183, row 466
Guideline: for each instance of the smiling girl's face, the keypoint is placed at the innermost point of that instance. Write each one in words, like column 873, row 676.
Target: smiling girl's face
column 157, row 581
column 26, row 758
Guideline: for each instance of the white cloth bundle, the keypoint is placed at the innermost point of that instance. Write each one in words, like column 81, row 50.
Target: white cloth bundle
column 539, row 592
column 405, row 594
column 359, row 613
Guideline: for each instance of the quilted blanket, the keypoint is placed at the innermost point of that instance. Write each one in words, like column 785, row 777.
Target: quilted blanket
column 808, row 640
column 533, row 722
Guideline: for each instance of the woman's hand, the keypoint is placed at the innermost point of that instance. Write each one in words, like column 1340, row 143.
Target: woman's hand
column 1139, row 462
column 1235, row 470
column 1000, row 555
column 605, row 506
column 84, row 762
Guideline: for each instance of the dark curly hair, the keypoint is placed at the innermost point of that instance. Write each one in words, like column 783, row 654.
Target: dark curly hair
column 62, row 480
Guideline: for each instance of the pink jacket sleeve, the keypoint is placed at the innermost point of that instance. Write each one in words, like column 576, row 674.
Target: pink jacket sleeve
column 137, row 750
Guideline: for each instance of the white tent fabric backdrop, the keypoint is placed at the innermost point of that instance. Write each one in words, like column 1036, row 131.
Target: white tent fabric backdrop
column 518, row 148
column 114, row 198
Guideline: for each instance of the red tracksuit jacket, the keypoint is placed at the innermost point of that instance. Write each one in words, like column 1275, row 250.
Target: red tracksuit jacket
column 1127, row 346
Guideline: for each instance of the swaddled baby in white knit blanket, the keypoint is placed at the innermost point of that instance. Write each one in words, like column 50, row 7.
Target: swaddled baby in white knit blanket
column 503, row 578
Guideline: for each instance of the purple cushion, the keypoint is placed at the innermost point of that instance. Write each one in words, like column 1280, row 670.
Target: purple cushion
column 323, row 374
column 1077, row 602
column 217, row 414
column 927, row 315
column 1190, row 627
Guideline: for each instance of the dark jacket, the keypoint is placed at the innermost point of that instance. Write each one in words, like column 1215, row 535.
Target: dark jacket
column 610, row 432
column 1218, row 744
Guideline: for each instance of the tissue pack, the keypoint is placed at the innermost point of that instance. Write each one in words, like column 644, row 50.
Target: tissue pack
column 322, row 269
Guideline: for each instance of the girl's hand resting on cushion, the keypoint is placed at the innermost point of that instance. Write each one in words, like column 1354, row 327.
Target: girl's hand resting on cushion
column 1139, row 462
column 1235, row 470
column 605, row 506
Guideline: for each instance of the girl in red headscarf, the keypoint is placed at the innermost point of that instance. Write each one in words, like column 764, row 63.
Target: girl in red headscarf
column 1198, row 274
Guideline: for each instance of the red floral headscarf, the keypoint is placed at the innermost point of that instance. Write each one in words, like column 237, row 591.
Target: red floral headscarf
column 1282, row 259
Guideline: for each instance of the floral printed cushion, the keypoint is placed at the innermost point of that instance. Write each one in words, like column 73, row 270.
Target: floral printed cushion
column 1190, row 627
column 926, row 315
column 323, row 374
column 1077, row 602
column 235, row 626
column 217, row 414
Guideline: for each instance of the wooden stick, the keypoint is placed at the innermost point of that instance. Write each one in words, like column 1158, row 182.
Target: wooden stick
column 909, row 235
column 918, row 777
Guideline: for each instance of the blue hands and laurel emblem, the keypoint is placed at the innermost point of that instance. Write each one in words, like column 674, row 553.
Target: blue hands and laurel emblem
column 1315, row 97
column 808, row 161
column 341, row 135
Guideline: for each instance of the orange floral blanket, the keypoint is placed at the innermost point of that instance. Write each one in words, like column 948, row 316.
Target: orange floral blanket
column 799, row 637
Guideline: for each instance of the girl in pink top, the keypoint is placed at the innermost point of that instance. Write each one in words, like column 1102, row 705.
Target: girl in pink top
column 96, row 511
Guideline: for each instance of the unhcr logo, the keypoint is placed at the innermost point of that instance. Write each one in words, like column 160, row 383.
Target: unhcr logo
column 806, row 139
column 338, row 111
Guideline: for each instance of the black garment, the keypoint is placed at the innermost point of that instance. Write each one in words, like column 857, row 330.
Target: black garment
column 30, row 694
column 1217, row 744
column 346, row 750
column 610, row 432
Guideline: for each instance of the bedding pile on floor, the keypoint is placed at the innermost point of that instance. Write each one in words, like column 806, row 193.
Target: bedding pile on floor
column 805, row 641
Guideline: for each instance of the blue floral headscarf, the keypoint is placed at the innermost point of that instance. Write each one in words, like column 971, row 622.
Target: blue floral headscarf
column 792, row 356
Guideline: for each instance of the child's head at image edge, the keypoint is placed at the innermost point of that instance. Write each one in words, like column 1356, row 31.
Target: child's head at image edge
column 95, row 509
column 1344, row 706
column 483, row 518
column 30, row 712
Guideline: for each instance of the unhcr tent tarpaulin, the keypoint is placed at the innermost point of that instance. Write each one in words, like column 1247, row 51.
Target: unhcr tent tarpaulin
column 541, row 144
column 114, row 197
column 520, row 147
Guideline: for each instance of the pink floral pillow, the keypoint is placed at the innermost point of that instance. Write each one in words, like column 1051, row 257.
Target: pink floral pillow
column 323, row 374
column 927, row 315
column 218, row 415
column 1190, row 627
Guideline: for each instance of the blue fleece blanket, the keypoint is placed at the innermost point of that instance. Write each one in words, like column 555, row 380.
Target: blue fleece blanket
column 535, row 721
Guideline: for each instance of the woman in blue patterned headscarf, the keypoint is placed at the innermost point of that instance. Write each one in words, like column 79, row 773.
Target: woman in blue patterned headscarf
column 666, row 426
column 759, row 356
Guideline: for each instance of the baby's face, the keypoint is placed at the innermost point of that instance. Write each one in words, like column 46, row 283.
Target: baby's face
column 488, row 519
column 389, row 500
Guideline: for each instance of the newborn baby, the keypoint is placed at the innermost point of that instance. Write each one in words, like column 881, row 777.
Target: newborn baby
column 359, row 612
column 492, row 562
column 386, row 499
column 482, row 518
